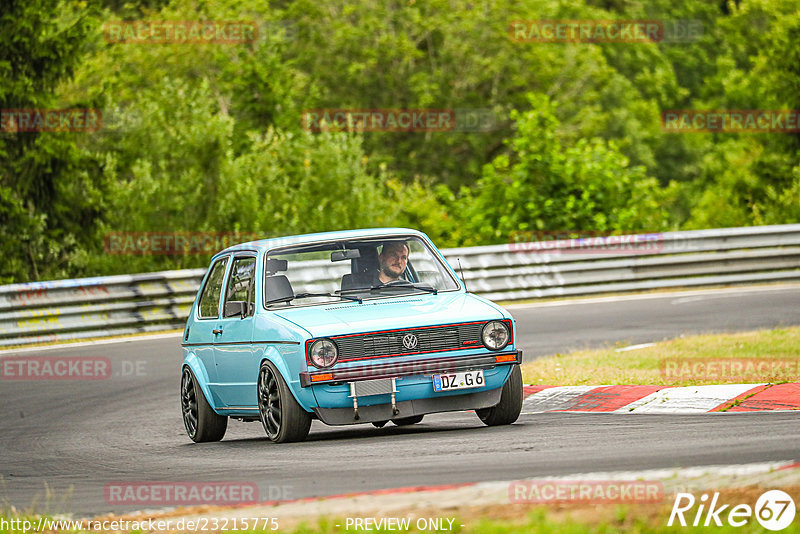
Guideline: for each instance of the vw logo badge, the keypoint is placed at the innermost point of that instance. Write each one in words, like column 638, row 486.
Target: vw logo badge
column 410, row 341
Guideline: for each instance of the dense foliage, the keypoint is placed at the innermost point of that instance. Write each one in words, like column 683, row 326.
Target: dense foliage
column 209, row 137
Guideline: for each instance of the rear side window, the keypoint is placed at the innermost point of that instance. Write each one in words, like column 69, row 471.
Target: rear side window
column 209, row 300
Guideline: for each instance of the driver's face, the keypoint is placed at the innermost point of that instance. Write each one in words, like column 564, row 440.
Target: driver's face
column 393, row 261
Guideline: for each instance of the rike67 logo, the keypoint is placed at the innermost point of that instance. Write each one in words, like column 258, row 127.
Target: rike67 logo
column 774, row 510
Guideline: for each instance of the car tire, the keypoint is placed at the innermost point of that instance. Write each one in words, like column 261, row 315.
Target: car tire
column 201, row 422
column 510, row 405
column 405, row 421
column 283, row 419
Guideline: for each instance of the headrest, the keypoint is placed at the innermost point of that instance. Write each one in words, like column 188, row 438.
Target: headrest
column 278, row 286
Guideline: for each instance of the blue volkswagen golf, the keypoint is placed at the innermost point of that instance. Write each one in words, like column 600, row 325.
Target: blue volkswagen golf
column 358, row 326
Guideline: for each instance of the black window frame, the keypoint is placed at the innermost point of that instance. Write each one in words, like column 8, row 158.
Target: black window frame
column 229, row 277
column 227, row 260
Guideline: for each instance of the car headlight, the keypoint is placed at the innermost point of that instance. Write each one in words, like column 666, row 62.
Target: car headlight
column 495, row 335
column 323, row 353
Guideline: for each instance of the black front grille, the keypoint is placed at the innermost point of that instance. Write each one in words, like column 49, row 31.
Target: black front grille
column 432, row 339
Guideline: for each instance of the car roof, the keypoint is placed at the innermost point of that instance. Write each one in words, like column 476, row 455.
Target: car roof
column 274, row 242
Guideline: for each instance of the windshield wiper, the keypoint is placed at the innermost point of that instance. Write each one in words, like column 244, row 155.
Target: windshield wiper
column 304, row 295
column 395, row 283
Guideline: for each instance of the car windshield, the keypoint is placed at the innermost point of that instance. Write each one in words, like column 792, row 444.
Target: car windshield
column 353, row 270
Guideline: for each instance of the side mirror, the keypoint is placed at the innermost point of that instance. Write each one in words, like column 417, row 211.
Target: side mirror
column 236, row 308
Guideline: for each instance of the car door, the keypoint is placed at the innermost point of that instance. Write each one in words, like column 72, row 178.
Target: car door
column 233, row 349
column 201, row 333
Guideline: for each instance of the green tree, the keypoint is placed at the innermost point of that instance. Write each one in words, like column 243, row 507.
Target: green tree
column 176, row 163
column 452, row 54
column 754, row 175
column 49, row 195
column 544, row 185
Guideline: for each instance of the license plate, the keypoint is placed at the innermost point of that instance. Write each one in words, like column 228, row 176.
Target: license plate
column 464, row 380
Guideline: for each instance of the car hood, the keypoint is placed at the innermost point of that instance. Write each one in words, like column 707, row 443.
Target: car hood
column 407, row 311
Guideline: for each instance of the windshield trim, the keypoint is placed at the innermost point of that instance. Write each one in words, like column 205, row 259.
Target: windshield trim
column 412, row 291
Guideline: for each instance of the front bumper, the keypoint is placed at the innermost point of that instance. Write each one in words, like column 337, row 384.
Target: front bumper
column 384, row 412
column 410, row 368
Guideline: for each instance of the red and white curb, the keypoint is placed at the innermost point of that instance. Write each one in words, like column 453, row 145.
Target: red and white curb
column 448, row 499
column 662, row 399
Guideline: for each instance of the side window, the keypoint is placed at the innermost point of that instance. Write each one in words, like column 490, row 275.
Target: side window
column 240, row 294
column 209, row 300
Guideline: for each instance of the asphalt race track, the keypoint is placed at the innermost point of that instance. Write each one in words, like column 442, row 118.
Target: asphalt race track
column 75, row 437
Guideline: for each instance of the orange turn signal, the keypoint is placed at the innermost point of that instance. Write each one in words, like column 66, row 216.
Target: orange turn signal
column 506, row 358
column 318, row 378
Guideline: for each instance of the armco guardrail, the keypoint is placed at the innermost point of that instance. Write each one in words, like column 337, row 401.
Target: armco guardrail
column 96, row 307
column 104, row 306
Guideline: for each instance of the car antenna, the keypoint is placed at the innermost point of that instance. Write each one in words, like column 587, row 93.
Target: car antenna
column 460, row 268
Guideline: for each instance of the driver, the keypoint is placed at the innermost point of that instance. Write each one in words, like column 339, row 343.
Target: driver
column 392, row 261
